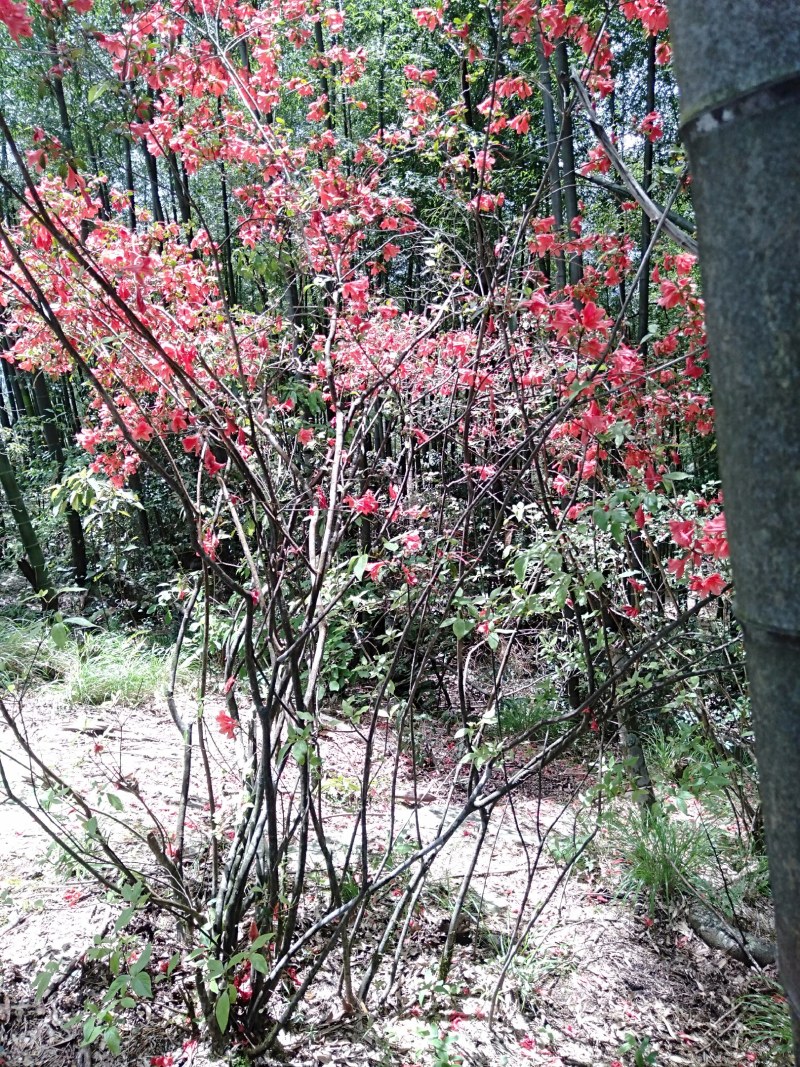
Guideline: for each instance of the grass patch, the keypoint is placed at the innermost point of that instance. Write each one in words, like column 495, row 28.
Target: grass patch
column 766, row 1020
column 102, row 666
column 660, row 853
column 27, row 653
column 535, row 966
column 579, row 849
column 686, row 758
column 518, row 713
column 117, row 667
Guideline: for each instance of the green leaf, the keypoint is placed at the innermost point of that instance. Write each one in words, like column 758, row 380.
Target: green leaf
column 360, row 566
column 96, row 91
column 554, row 561
column 131, row 893
column 300, row 751
column 561, row 594
column 600, row 516
column 114, row 801
column 259, row 963
column 222, row 1011
column 143, row 960
column 141, row 984
column 174, row 960
column 44, row 977
column 125, row 917
column 111, row 1040
column 59, row 634
column 461, row 627
column 596, row 578
column 520, row 567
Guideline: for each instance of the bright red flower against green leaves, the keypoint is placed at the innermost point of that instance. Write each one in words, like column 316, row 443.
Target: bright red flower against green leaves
column 652, row 126
column 598, row 161
column 412, row 542
column 714, row 540
column 211, row 464
column 682, row 532
column 334, row 20
column 428, row 18
column 651, row 13
column 520, row 124
column 210, row 544
column 363, row 505
column 709, row 586
column 227, row 725
column 16, row 18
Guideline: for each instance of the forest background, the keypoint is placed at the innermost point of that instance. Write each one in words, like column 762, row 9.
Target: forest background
column 355, row 369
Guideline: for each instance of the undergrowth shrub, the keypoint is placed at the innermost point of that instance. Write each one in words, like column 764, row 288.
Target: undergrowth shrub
column 377, row 498
column 765, row 1016
column 27, row 653
column 535, row 965
column 578, row 849
column 662, row 856
column 98, row 667
column 110, row 666
column 518, row 713
column 685, row 757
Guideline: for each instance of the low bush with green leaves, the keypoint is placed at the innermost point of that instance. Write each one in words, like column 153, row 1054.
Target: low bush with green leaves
column 518, row 713
column 686, row 758
column 640, row 1049
column 662, row 855
column 578, row 849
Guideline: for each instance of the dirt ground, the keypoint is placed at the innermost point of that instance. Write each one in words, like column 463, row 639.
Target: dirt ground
column 598, row 972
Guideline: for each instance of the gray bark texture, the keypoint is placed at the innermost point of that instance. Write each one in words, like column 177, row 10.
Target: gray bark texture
column 738, row 69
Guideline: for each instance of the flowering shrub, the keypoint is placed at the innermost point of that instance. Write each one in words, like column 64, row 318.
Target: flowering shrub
column 380, row 487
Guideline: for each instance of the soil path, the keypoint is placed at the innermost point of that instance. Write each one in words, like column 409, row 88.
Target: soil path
column 595, row 971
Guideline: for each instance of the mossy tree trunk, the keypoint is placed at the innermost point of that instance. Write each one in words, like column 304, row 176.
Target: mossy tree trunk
column 33, row 564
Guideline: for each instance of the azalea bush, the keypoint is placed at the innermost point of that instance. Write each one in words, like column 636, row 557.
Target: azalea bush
column 406, row 425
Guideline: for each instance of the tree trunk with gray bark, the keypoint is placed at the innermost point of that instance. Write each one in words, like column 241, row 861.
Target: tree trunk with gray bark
column 738, row 68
